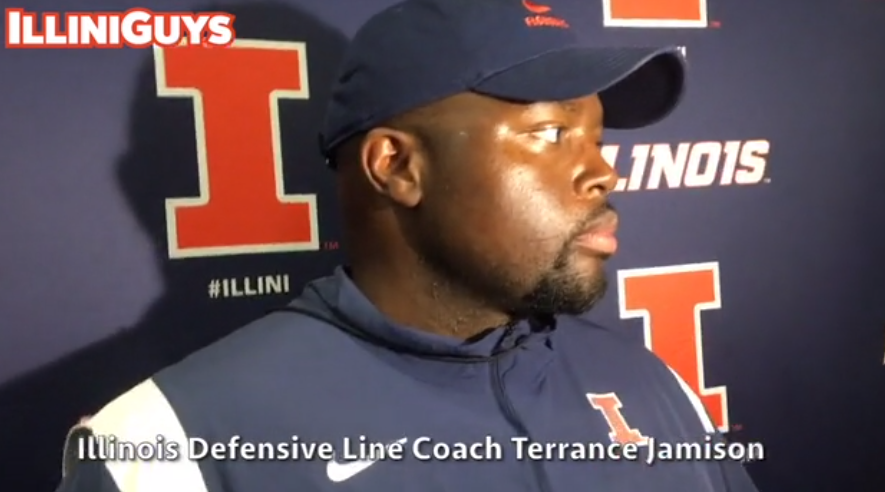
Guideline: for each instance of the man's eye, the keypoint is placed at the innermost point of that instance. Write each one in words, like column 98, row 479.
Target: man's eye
column 552, row 135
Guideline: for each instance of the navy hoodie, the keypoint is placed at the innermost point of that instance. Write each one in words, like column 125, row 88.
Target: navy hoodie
column 330, row 395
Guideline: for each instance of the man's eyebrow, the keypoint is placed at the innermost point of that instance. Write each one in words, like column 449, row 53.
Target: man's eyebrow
column 570, row 106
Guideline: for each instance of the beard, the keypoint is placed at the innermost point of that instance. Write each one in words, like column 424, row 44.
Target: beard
column 556, row 288
column 561, row 291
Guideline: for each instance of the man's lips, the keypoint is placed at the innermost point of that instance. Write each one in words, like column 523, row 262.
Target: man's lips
column 601, row 235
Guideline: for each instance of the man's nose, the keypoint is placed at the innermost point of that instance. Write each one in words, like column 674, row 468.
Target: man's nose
column 596, row 177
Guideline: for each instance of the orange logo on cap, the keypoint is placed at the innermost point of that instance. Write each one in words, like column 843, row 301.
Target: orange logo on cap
column 535, row 8
column 539, row 20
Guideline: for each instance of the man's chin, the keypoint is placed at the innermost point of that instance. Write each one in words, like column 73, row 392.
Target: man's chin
column 584, row 264
column 593, row 290
column 574, row 296
column 585, row 305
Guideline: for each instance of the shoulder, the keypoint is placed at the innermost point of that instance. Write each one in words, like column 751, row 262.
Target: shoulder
column 205, row 394
column 279, row 354
column 581, row 333
column 247, row 362
column 588, row 343
column 278, row 342
column 140, row 415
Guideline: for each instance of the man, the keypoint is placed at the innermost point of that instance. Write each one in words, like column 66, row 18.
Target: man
column 447, row 355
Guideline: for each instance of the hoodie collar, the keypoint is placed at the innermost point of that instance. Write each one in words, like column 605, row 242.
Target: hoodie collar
column 341, row 298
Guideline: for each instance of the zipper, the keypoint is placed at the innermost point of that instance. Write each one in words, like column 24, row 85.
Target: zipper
column 513, row 418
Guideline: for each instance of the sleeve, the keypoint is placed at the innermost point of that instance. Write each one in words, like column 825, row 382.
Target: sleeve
column 734, row 474
column 88, row 477
column 696, row 403
column 101, row 454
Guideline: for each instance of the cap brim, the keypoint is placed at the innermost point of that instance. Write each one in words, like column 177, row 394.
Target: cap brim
column 637, row 86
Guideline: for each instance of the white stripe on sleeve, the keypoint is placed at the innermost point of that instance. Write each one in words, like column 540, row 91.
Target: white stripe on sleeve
column 140, row 415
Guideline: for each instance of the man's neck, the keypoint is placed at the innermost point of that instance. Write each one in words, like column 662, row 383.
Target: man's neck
column 416, row 298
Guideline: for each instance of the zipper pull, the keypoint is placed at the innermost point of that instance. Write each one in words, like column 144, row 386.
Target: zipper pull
column 509, row 339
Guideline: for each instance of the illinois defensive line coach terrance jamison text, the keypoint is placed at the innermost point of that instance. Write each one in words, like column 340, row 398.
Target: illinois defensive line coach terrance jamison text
column 109, row 448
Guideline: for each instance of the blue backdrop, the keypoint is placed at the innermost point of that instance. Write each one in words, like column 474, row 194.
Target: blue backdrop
column 753, row 218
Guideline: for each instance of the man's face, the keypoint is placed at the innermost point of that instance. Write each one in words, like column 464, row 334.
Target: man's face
column 514, row 203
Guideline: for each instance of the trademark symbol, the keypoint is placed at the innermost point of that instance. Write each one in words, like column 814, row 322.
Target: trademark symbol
column 715, row 24
column 330, row 245
column 737, row 427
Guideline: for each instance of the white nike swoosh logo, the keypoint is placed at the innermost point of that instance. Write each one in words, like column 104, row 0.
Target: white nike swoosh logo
column 339, row 472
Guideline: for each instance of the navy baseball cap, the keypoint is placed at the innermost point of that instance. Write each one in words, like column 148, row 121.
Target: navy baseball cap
column 421, row 51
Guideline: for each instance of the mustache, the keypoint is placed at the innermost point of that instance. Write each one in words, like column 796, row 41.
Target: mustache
column 592, row 217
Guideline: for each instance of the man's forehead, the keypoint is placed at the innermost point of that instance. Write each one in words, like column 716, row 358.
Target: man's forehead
column 590, row 102
column 469, row 104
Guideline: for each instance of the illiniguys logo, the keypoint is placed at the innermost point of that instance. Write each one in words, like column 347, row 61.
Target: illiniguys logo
column 134, row 28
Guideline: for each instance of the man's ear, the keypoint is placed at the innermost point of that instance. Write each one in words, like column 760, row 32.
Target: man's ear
column 393, row 164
